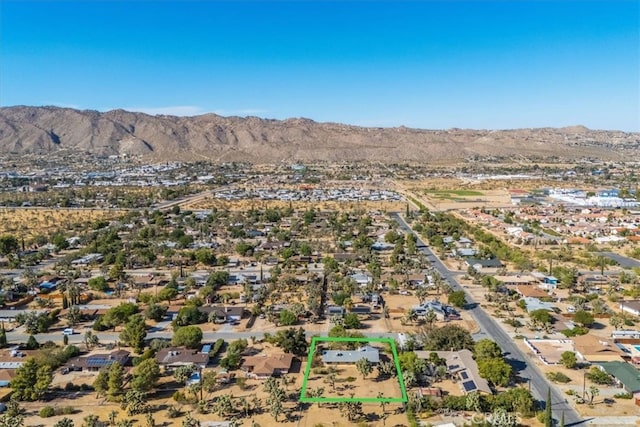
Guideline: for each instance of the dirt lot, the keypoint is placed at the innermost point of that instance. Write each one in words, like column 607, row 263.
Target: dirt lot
column 28, row 222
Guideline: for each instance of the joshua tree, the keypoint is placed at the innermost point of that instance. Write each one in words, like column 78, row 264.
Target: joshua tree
column 364, row 367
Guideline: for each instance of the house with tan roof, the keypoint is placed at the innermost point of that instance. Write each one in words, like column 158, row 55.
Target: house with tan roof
column 531, row 292
column 590, row 348
column 264, row 366
column 461, row 365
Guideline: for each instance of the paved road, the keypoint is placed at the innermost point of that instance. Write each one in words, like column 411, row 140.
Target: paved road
column 623, row 261
column 19, row 336
column 490, row 329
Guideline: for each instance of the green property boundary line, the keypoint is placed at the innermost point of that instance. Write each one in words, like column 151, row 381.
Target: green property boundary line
column 396, row 361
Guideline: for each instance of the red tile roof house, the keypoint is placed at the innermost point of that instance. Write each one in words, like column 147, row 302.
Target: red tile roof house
column 263, row 366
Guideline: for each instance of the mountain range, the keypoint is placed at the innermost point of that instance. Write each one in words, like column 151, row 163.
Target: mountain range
column 51, row 130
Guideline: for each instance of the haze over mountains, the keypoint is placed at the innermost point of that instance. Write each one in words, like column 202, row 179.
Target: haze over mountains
column 44, row 130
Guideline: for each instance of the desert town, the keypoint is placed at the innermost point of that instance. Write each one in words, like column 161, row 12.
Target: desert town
column 210, row 307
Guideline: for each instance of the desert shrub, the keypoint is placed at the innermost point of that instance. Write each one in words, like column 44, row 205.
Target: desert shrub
column 179, row 397
column 47, row 412
column 623, row 396
column 558, row 377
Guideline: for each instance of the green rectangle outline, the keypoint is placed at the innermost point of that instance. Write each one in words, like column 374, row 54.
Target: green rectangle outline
column 307, row 371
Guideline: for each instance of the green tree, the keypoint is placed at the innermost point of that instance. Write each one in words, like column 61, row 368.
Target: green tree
column 583, row 318
column 31, row 381
column 187, row 336
column 32, row 343
column 292, row 341
column 540, row 316
column 8, row 244
column 167, row 294
column 119, row 314
column 156, row 312
column 134, row 333
column 447, row 338
column 98, row 284
column 410, row 362
column 101, row 383
column 548, row 416
column 59, row 241
column 146, row 375
column 364, row 367
column 487, row 349
column 3, row 337
column 496, row 371
column 287, row 318
column 351, row 321
column 598, row 376
column 569, row 359
column 457, row 299
column 115, row 381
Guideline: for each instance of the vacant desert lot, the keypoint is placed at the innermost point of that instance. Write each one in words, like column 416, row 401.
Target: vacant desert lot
column 29, row 222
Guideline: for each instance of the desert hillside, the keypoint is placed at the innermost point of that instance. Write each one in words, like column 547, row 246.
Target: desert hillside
column 43, row 130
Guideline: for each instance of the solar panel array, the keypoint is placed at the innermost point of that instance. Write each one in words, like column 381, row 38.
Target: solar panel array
column 98, row 362
column 469, row 386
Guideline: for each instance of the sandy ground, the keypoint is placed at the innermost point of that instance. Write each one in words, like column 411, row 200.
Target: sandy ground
column 368, row 387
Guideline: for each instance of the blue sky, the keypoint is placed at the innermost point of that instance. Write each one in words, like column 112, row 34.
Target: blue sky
column 427, row 64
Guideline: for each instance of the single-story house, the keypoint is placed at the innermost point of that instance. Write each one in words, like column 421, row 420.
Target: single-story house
column 223, row 313
column 98, row 361
column 173, row 357
column 534, row 304
column 335, row 310
column 461, row 364
column 480, row 264
column 516, row 279
column 372, row 354
column 464, row 252
column 361, row 309
column 382, row 246
column 263, row 366
column 625, row 375
column 592, row 349
column 427, row 306
column 631, row 307
column 362, row 279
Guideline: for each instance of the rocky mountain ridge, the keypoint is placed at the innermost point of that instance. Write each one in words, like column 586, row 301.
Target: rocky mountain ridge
column 47, row 130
